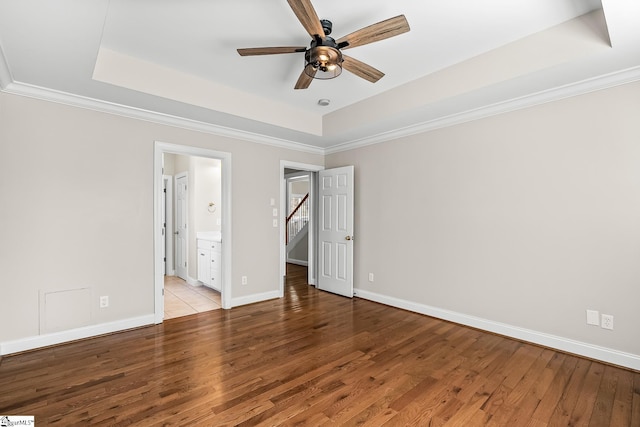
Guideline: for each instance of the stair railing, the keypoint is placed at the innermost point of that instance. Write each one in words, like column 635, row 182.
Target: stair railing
column 297, row 219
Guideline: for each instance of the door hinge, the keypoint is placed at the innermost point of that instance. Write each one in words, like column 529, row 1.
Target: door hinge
column 165, row 259
column 162, row 291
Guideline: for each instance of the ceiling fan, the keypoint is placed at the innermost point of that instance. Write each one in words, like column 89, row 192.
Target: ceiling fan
column 324, row 58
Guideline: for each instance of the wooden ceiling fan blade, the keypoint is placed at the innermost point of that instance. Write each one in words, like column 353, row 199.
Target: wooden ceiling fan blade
column 304, row 80
column 376, row 32
column 251, row 51
column 308, row 17
column 361, row 69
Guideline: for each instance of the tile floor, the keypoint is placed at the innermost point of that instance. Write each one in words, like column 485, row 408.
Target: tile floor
column 182, row 299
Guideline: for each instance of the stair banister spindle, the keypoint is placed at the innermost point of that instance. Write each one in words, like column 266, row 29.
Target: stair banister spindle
column 295, row 219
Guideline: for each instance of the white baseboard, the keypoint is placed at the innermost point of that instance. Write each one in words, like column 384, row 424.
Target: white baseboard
column 191, row 281
column 38, row 341
column 591, row 351
column 250, row 299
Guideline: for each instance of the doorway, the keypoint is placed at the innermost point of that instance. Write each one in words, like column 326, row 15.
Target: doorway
column 223, row 216
column 311, row 171
column 330, row 258
column 298, row 211
column 190, row 289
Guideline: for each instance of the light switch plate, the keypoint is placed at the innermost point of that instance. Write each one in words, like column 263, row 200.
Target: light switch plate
column 593, row 318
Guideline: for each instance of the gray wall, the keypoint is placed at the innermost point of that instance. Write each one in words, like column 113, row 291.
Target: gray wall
column 300, row 252
column 77, row 209
column 526, row 219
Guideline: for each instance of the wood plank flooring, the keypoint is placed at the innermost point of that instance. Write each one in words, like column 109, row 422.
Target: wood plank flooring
column 313, row 358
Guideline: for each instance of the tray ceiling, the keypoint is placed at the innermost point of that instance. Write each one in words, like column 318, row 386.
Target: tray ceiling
column 177, row 62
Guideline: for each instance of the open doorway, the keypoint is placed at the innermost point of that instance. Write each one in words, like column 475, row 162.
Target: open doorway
column 194, row 285
column 201, row 209
column 331, row 227
column 297, row 251
column 298, row 212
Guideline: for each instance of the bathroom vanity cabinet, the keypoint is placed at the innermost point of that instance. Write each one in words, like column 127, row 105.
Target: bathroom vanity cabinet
column 209, row 263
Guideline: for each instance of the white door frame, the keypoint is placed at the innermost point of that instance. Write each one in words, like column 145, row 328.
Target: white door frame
column 161, row 148
column 284, row 164
column 289, row 178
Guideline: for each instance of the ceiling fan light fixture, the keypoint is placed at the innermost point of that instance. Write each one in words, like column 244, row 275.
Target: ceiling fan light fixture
column 323, row 62
column 323, row 59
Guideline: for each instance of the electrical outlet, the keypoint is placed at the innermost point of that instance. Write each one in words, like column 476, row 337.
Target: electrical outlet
column 275, row 211
column 593, row 317
column 607, row 321
column 371, row 277
column 244, row 280
column 275, row 223
column 104, row 301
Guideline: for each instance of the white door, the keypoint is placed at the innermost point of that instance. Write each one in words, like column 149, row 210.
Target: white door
column 335, row 234
column 181, row 226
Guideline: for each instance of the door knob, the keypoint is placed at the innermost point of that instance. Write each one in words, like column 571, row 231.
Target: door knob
column 177, row 232
column 348, row 238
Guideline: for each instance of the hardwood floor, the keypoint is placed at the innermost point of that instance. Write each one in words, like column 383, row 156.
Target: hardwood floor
column 314, row 358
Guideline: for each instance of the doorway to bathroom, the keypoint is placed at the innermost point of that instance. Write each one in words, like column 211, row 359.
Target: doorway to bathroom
column 194, row 285
column 192, row 230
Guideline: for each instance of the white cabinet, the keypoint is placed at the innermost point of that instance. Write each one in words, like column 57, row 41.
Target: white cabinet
column 209, row 263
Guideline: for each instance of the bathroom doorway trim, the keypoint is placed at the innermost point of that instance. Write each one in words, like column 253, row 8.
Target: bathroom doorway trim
column 160, row 148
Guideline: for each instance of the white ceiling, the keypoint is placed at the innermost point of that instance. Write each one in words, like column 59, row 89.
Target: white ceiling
column 176, row 62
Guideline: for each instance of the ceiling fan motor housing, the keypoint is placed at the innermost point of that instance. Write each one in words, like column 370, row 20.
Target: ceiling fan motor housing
column 323, row 60
column 327, row 26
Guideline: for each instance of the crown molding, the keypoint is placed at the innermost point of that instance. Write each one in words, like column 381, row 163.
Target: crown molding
column 606, row 81
column 567, row 91
column 37, row 92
